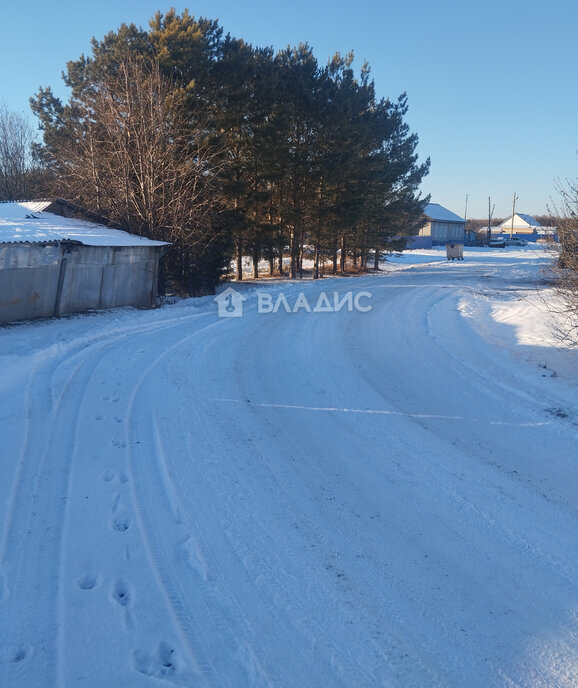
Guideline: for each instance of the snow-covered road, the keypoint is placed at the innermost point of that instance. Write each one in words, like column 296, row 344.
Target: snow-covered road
column 354, row 498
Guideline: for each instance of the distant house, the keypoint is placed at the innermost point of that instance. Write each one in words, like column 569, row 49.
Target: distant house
column 526, row 227
column 51, row 265
column 441, row 227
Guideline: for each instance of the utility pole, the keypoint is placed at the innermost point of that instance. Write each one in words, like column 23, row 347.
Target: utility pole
column 490, row 213
column 466, row 217
column 513, row 213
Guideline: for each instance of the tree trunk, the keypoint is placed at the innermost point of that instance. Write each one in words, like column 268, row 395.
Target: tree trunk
column 281, row 248
column 255, row 264
column 316, row 262
column 294, row 253
column 239, row 259
column 271, row 252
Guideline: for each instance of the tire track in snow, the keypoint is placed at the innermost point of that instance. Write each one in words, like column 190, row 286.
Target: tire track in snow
column 30, row 551
column 163, row 539
column 166, row 537
column 550, row 565
column 454, row 495
column 447, row 334
column 270, row 575
column 31, row 546
column 241, row 560
column 296, row 499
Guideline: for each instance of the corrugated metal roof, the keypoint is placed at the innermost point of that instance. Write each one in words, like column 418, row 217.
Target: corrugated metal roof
column 435, row 211
column 26, row 221
column 35, row 206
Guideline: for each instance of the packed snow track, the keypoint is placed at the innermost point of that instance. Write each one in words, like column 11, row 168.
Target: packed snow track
column 360, row 498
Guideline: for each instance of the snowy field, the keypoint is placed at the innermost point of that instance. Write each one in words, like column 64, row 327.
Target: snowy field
column 386, row 497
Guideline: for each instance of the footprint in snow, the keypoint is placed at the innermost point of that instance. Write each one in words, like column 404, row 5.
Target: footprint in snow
column 109, row 476
column 121, row 525
column 14, row 654
column 88, row 582
column 121, row 593
column 162, row 664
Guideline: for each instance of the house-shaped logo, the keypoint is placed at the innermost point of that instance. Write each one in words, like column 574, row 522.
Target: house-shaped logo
column 230, row 303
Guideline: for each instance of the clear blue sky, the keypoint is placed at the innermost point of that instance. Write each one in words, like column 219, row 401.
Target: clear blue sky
column 492, row 86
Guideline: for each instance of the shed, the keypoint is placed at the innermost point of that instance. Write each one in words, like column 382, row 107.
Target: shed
column 52, row 265
column 440, row 227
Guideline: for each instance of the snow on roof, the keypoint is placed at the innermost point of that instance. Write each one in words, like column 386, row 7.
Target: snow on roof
column 28, row 222
column 435, row 211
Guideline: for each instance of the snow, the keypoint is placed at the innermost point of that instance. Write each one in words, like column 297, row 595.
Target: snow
column 379, row 498
column 28, row 222
column 435, row 211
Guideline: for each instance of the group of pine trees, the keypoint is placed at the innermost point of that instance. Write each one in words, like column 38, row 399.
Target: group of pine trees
column 225, row 150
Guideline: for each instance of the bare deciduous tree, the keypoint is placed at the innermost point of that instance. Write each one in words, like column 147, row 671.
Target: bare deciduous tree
column 16, row 138
column 130, row 153
column 135, row 154
column 565, row 264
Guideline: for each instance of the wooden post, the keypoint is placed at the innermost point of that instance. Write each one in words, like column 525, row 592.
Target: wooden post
column 490, row 213
column 513, row 213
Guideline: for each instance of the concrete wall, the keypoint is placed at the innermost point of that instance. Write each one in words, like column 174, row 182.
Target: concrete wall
column 39, row 281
